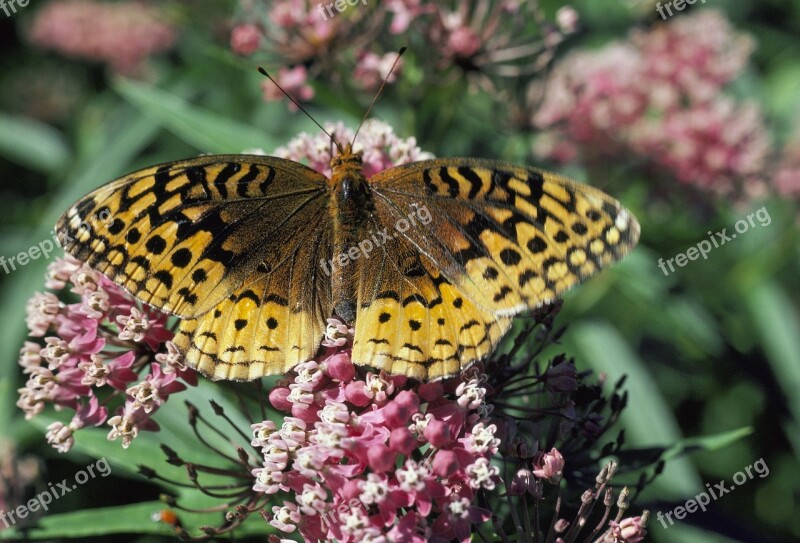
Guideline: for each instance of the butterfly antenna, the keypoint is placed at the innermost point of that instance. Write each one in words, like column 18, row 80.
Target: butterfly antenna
column 380, row 90
column 301, row 108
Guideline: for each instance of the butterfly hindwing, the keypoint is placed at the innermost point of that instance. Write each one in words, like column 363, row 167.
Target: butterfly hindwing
column 410, row 319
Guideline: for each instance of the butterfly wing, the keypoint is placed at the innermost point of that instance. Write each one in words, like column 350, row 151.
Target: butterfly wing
column 411, row 320
column 495, row 238
column 223, row 242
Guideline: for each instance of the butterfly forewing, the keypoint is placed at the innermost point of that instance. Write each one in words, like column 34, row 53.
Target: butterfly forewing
column 224, row 242
column 183, row 235
column 509, row 238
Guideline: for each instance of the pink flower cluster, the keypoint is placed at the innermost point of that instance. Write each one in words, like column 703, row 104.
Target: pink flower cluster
column 659, row 95
column 369, row 457
column 94, row 351
column 121, row 34
column 471, row 38
column 381, row 147
column 298, row 33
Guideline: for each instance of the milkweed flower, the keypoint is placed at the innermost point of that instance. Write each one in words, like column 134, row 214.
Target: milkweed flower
column 380, row 146
column 659, row 95
column 365, row 455
column 98, row 351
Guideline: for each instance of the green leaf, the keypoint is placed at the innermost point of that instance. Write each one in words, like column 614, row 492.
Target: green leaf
column 778, row 325
column 207, row 131
column 706, row 443
column 32, row 144
column 662, row 531
column 133, row 518
column 7, row 409
column 131, row 135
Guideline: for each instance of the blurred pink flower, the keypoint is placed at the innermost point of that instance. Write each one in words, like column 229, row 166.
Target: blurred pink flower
column 245, row 39
column 19, row 476
column 659, row 96
column 372, row 69
column 121, row 34
column 293, row 81
column 405, row 11
column 786, row 178
column 297, row 32
column 710, row 145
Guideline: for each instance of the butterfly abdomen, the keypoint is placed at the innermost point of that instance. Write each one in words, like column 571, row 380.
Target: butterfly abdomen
column 351, row 207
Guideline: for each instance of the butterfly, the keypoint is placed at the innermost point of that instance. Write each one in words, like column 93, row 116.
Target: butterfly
column 428, row 261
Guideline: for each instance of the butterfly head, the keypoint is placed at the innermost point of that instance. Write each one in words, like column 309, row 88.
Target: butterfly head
column 346, row 158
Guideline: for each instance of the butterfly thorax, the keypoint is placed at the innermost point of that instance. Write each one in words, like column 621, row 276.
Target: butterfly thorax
column 351, row 207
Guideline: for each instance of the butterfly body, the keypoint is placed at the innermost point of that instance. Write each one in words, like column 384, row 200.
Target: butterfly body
column 350, row 206
column 428, row 260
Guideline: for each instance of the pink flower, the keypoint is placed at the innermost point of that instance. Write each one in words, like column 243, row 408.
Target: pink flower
column 245, row 39
column 373, row 69
column 128, row 422
column 786, row 177
column 154, row 390
column 293, row 81
column 549, row 466
column 630, row 530
column 121, row 34
column 405, row 11
column 84, row 352
column 348, row 436
column 659, row 96
column 42, row 310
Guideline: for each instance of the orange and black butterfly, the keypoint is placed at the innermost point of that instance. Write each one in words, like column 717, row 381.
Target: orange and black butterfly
column 254, row 253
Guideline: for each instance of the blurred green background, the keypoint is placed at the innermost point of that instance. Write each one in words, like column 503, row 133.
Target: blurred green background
column 711, row 348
